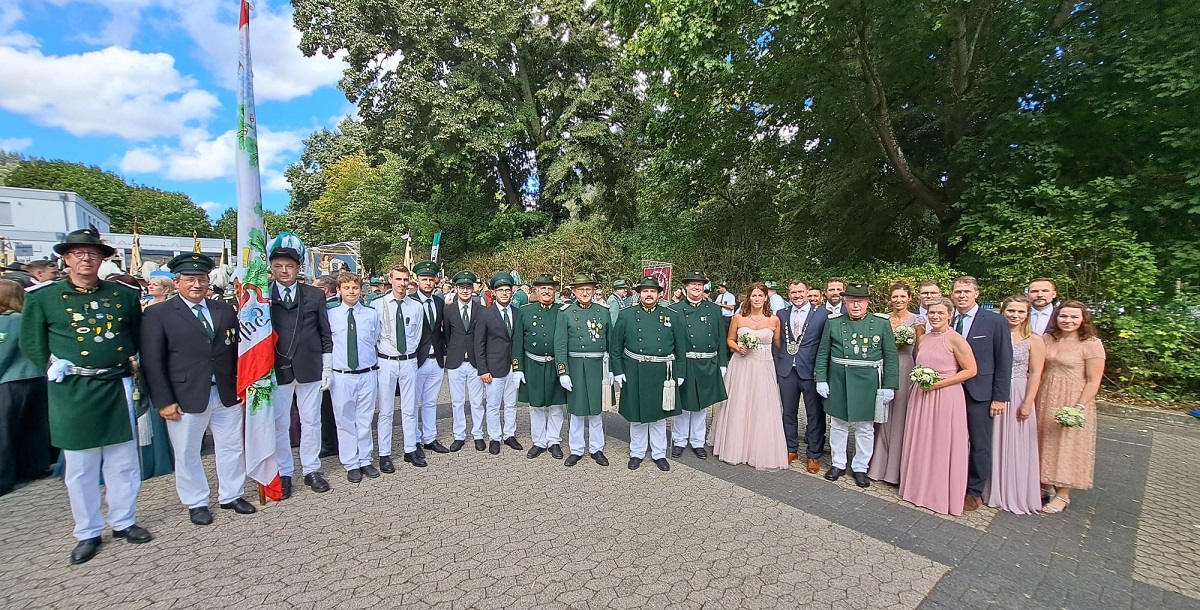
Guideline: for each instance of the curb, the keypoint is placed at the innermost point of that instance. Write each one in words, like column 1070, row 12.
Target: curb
column 1157, row 416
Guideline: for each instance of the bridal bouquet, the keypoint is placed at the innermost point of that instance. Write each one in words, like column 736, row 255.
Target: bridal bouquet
column 905, row 335
column 1070, row 417
column 750, row 341
column 924, row 376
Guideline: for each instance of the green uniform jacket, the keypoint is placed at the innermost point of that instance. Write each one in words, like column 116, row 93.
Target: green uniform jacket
column 703, row 385
column 534, row 334
column 14, row 366
column 852, row 388
column 658, row 332
column 96, row 328
column 582, row 330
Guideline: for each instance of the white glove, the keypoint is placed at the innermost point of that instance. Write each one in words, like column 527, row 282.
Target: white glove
column 518, row 377
column 678, row 382
column 565, row 382
column 58, row 370
column 326, row 371
column 888, row 395
column 724, row 370
column 619, row 380
column 823, row 389
column 610, row 377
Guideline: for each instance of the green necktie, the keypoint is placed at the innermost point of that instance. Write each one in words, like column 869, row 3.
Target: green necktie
column 401, row 340
column 466, row 317
column 351, row 341
column 287, row 296
column 507, row 320
column 203, row 320
column 958, row 323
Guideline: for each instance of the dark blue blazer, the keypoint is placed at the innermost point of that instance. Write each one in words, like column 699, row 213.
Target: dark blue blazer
column 991, row 343
column 805, row 359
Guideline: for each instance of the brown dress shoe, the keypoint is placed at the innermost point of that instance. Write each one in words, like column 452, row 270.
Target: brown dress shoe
column 792, row 457
column 971, row 503
column 813, row 466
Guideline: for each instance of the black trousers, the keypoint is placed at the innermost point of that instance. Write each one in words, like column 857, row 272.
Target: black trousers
column 979, row 430
column 791, row 389
column 329, row 440
column 24, row 432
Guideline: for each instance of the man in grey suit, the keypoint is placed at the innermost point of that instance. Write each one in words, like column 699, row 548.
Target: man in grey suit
column 988, row 335
column 802, row 324
column 495, row 362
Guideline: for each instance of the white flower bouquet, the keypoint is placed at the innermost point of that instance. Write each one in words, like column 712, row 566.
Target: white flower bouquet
column 1070, row 416
column 905, row 335
column 924, row 376
column 750, row 341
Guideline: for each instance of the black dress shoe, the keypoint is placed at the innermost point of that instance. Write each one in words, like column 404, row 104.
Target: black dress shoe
column 200, row 515
column 134, row 534
column 600, row 458
column 415, row 459
column 85, row 550
column 634, row 463
column 700, row 452
column 834, row 473
column 572, row 460
column 240, row 506
column 437, row 447
column 285, row 483
column 676, row 452
column 494, row 447
column 479, row 445
column 386, row 465
column 327, row 452
column 420, row 451
column 860, row 479
column 317, row 482
column 370, row 471
column 457, row 444
column 555, row 451
column 534, row 451
column 512, row 442
column 662, row 464
column 354, row 475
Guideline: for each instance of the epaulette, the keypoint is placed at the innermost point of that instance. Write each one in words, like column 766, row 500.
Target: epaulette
column 835, row 315
column 565, row 306
column 885, row 316
column 668, row 308
column 37, row 287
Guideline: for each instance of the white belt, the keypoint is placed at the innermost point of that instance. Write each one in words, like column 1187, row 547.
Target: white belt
column 701, row 355
column 537, row 358
column 587, row 354
column 876, row 364
column 644, row 358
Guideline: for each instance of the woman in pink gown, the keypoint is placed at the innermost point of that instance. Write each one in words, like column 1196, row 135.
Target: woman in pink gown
column 749, row 430
column 889, row 436
column 933, row 473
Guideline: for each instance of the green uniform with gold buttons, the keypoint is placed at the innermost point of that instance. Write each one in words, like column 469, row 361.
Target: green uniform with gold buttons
column 852, row 388
column 582, row 329
column 535, row 335
column 94, row 328
column 654, row 332
column 705, row 331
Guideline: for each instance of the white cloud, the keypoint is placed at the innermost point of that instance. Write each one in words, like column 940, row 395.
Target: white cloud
column 213, row 209
column 10, row 14
column 113, row 91
column 201, row 156
column 15, row 144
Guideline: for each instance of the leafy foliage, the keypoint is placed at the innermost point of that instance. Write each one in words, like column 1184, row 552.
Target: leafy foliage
column 1154, row 350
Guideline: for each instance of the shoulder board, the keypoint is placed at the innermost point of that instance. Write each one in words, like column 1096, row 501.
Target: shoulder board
column 668, row 308
column 37, row 287
column 885, row 316
column 835, row 315
column 600, row 303
column 565, row 306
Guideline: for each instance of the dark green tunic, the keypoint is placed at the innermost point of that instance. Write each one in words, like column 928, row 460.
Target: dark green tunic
column 657, row 332
column 852, row 388
column 96, row 328
column 705, row 331
column 582, row 329
column 535, row 335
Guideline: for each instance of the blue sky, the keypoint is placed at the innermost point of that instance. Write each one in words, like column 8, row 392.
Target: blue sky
column 146, row 88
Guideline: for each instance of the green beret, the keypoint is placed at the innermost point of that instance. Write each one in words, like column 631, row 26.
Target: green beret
column 191, row 263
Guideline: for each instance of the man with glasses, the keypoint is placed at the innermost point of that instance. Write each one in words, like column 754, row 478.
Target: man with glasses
column 87, row 331
column 928, row 292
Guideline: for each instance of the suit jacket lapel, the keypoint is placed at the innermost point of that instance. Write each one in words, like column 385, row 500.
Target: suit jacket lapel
column 185, row 309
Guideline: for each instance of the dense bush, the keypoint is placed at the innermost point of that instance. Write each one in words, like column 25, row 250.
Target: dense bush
column 1154, row 351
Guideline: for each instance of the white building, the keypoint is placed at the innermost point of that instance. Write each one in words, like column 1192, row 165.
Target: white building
column 33, row 220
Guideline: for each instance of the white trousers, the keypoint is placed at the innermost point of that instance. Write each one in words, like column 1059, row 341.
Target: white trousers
column 655, row 433
column 429, row 385
column 186, row 435
column 465, row 385
column 122, row 480
column 502, row 399
column 864, row 443
column 393, row 374
column 353, row 399
column 594, row 425
column 689, row 426
column 308, row 403
column 545, row 425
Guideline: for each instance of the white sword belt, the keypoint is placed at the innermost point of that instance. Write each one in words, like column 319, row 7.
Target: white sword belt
column 537, row 358
column 586, row 354
column 875, row 364
column 701, row 355
column 644, row 358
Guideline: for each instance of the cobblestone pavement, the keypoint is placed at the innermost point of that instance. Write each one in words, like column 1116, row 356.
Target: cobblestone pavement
column 480, row 531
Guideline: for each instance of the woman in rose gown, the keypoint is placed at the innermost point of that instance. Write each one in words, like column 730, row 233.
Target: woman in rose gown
column 933, row 472
column 1013, row 485
column 889, row 436
column 749, row 430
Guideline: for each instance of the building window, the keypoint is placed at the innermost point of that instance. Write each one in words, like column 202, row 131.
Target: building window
column 5, row 214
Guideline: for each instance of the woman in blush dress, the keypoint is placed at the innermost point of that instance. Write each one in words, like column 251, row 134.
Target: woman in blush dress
column 933, row 473
column 889, row 436
column 1013, row 485
column 1074, row 367
column 749, row 429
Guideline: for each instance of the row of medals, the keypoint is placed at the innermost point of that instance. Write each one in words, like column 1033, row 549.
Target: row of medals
column 99, row 322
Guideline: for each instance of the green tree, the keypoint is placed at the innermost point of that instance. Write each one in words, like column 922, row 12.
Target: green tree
column 226, row 224
column 8, row 162
column 160, row 212
column 103, row 189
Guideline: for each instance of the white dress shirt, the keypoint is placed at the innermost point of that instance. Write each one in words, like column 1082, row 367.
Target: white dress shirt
column 512, row 315
column 778, row 302
column 833, row 309
column 413, row 316
column 1040, row 319
column 799, row 315
column 203, row 310
column 726, row 299
column 366, row 321
column 967, row 321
